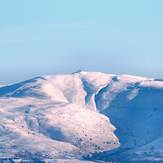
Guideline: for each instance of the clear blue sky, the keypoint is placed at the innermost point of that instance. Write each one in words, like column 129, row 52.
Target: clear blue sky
column 61, row 36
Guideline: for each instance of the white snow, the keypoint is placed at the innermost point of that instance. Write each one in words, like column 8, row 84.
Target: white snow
column 62, row 117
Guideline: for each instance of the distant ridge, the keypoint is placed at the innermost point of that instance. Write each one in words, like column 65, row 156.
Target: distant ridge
column 83, row 115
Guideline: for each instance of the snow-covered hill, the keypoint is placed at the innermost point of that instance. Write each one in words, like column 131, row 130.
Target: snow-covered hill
column 82, row 115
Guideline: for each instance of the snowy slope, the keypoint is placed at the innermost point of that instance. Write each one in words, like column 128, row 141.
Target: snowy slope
column 47, row 116
column 74, row 115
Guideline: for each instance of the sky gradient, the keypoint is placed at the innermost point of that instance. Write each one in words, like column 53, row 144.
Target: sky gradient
column 61, row 36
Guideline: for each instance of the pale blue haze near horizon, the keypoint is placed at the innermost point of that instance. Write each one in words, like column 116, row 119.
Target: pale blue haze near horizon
column 61, row 36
